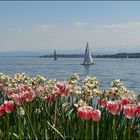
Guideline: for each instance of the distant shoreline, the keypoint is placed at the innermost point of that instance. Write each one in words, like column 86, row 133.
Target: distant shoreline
column 118, row 55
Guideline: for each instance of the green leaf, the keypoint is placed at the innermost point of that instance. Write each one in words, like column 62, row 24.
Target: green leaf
column 55, row 130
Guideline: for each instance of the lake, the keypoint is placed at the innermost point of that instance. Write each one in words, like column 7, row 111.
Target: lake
column 104, row 69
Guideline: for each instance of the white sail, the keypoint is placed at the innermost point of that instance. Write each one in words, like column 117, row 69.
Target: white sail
column 87, row 58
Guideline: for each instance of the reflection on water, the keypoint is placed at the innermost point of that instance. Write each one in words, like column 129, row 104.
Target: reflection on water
column 86, row 70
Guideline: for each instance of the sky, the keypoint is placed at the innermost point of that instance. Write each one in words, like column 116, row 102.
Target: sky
column 108, row 26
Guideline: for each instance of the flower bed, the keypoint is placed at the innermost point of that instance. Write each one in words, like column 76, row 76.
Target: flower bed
column 40, row 108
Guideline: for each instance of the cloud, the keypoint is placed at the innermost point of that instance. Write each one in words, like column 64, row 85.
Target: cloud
column 45, row 27
column 124, row 25
column 113, row 26
column 119, row 36
column 79, row 24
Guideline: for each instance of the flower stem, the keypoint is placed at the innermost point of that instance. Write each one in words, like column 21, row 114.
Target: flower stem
column 30, row 122
column 7, row 126
column 55, row 117
column 98, row 130
column 125, row 121
column 92, row 130
column 86, row 135
column 129, row 133
column 114, row 123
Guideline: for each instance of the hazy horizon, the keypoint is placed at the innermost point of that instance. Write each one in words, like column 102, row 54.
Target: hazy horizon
column 65, row 52
column 108, row 26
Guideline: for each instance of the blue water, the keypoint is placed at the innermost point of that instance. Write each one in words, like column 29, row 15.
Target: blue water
column 104, row 69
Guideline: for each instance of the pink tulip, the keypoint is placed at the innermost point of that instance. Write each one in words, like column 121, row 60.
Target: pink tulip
column 126, row 101
column 34, row 86
column 40, row 89
column 52, row 97
column 96, row 115
column 130, row 110
column 28, row 97
column 18, row 99
column 63, row 89
column 138, row 110
column 25, row 88
column 102, row 102
column 1, row 86
column 85, row 112
column 12, row 92
column 2, row 109
column 114, row 107
column 9, row 106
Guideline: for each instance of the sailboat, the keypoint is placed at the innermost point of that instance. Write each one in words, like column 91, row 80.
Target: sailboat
column 87, row 58
column 55, row 56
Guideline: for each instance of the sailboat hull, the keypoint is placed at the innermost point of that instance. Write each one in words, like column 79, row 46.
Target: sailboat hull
column 88, row 64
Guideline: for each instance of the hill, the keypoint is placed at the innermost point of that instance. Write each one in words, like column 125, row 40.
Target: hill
column 118, row 55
